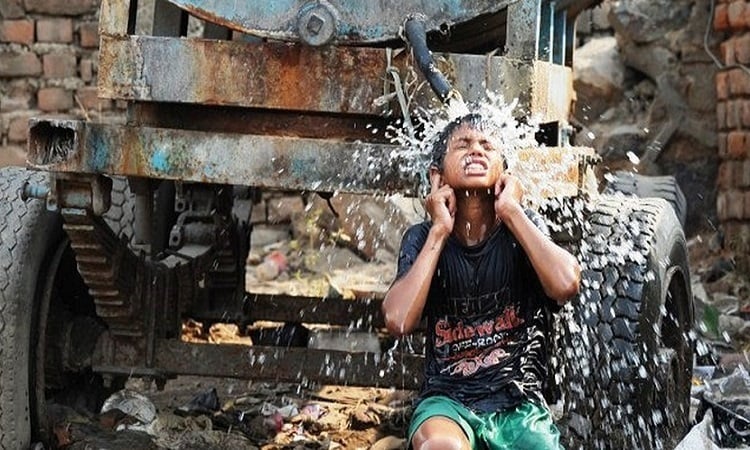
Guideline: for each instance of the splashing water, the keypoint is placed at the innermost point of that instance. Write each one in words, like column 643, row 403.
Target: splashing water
column 505, row 131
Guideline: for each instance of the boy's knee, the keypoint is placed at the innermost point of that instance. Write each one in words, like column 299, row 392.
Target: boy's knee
column 440, row 442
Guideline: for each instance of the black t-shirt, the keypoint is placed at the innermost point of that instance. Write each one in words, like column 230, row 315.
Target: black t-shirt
column 487, row 320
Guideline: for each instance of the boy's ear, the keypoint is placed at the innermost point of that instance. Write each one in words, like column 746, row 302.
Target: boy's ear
column 436, row 177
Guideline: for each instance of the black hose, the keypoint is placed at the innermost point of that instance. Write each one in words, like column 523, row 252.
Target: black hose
column 416, row 35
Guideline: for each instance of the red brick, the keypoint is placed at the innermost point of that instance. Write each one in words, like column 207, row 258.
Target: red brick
column 724, row 176
column 721, row 205
column 18, row 129
column 744, row 111
column 733, row 174
column 24, row 64
column 727, row 50
column 742, row 48
column 62, row 8
column 54, row 30
column 721, row 18
column 89, row 99
column 732, row 118
column 12, row 9
column 739, row 82
column 89, row 34
column 721, row 115
column 57, row 65
column 736, row 14
column 722, row 145
column 737, row 143
column 17, row 31
column 86, row 70
column 54, row 99
column 730, row 205
column 12, row 155
column 722, row 85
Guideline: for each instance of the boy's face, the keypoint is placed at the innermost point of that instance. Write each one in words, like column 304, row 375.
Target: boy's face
column 471, row 160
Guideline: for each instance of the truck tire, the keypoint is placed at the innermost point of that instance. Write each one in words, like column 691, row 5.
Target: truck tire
column 121, row 214
column 626, row 345
column 643, row 186
column 38, row 278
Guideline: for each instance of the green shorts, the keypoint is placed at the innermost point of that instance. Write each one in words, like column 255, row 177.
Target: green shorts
column 529, row 426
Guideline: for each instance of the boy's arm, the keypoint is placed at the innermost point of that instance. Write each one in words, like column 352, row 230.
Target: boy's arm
column 405, row 300
column 558, row 270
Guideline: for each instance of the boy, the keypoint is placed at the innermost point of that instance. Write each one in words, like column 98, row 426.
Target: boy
column 484, row 273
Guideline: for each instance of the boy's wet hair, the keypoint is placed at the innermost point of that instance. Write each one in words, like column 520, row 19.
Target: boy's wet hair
column 440, row 145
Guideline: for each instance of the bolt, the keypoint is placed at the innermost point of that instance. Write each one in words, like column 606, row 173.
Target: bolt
column 315, row 23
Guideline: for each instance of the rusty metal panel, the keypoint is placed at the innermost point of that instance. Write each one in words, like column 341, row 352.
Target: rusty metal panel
column 403, row 371
column 524, row 22
column 335, row 21
column 559, row 172
column 295, row 77
column 360, row 313
column 270, row 162
column 552, row 91
column 113, row 18
column 279, row 76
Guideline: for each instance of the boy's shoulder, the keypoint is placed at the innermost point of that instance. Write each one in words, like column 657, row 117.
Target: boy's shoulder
column 417, row 231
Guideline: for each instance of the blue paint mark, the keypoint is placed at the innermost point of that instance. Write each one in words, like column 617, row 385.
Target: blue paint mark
column 160, row 160
column 301, row 167
column 99, row 155
column 209, row 171
column 243, row 12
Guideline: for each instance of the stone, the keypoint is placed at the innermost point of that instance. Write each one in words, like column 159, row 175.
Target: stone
column 647, row 21
column 599, row 75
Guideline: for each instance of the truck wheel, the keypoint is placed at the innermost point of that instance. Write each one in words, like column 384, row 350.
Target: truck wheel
column 121, row 214
column 643, row 186
column 38, row 278
column 626, row 345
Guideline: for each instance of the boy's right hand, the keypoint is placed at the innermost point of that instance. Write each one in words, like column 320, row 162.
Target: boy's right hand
column 441, row 204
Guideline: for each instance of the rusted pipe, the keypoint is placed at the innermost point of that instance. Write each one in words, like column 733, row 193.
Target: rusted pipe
column 416, row 35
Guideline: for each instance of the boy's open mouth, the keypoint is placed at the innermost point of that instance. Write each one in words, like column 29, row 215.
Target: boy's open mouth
column 475, row 166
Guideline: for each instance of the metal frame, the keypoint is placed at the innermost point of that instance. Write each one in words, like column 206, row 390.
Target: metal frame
column 287, row 117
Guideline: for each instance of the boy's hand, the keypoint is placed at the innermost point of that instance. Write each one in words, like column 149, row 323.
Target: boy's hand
column 441, row 204
column 508, row 195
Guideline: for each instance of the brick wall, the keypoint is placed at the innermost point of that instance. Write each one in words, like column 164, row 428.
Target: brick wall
column 732, row 17
column 48, row 64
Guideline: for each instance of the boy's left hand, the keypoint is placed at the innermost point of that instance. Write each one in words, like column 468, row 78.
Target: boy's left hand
column 508, row 195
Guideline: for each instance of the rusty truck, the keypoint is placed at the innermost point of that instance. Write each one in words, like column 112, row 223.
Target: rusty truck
column 115, row 233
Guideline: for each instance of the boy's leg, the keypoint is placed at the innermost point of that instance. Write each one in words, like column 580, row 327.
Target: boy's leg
column 529, row 426
column 444, row 422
